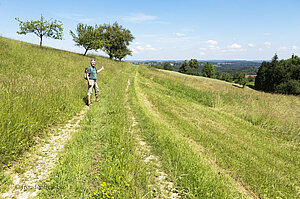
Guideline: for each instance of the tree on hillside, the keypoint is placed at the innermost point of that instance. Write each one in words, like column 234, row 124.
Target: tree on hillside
column 225, row 76
column 185, row 68
column 279, row 76
column 117, row 40
column 240, row 78
column 209, row 70
column 193, row 63
column 167, row 66
column 261, row 78
column 89, row 37
column 41, row 28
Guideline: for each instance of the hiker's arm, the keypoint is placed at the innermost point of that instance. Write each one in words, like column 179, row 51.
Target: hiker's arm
column 87, row 75
column 100, row 69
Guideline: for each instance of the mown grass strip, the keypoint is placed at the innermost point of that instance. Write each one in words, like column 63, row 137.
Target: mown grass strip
column 252, row 154
column 193, row 177
column 279, row 114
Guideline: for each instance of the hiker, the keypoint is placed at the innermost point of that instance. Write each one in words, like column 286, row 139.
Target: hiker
column 92, row 80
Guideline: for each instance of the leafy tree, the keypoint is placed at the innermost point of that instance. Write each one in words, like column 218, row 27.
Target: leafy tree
column 240, row 78
column 209, row 70
column 261, row 78
column 193, row 63
column 122, row 52
column 291, row 86
column 250, row 79
column 225, row 76
column 185, row 68
column 168, row 66
column 89, row 37
column 279, row 76
column 117, row 41
column 41, row 28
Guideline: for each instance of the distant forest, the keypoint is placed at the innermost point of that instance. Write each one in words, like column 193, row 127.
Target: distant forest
column 232, row 67
column 274, row 76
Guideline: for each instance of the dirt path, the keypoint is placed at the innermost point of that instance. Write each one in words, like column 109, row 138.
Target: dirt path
column 40, row 161
column 167, row 189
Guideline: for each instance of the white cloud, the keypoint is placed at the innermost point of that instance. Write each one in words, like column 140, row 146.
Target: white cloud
column 260, row 50
column 267, row 43
column 251, row 45
column 149, row 47
column 202, row 53
column 267, row 34
column 212, row 47
column 75, row 17
column 137, row 43
column 138, row 18
column 134, row 51
column 180, row 34
column 282, row 48
column 140, row 48
column 295, row 48
column 235, row 46
column 204, row 49
column 212, row 42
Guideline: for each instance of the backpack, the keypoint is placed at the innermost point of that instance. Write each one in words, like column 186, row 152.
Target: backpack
column 85, row 73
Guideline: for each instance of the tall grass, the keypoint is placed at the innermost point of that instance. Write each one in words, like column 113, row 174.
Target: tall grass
column 39, row 89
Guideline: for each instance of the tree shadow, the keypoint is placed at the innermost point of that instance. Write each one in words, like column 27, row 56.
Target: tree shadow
column 252, row 87
column 238, row 86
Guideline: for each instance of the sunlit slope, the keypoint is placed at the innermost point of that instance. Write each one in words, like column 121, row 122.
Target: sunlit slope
column 248, row 136
column 39, row 88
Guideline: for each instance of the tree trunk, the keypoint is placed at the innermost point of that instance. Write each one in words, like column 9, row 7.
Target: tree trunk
column 85, row 51
column 41, row 41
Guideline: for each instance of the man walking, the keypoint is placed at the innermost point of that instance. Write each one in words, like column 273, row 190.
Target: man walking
column 92, row 80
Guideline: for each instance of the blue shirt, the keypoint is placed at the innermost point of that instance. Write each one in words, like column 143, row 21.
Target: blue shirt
column 92, row 71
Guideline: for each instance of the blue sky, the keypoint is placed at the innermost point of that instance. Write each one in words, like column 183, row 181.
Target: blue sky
column 173, row 29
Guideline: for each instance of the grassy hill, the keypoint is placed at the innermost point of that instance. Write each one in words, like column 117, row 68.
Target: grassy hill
column 39, row 88
column 211, row 139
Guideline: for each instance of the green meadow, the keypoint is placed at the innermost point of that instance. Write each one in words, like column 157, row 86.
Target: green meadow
column 213, row 140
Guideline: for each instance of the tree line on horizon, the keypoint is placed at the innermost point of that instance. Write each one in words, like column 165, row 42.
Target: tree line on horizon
column 191, row 67
column 274, row 77
column 111, row 39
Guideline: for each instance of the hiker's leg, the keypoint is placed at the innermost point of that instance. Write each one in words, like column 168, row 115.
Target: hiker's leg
column 89, row 100
column 90, row 91
column 96, row 91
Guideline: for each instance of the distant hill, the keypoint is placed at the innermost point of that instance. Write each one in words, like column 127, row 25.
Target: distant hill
column 229, row 66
